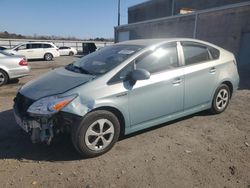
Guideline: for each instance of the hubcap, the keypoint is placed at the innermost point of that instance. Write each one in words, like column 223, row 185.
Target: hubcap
column 222, row 99
column 99, row 134
column 48, row 57
column 1, row 78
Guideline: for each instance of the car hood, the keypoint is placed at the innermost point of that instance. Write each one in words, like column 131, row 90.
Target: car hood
column 55, row 82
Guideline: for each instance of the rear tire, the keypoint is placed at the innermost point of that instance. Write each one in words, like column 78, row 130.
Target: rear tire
column 48, row 57
column 221, row 99
column 96, row 134
column 4, row 78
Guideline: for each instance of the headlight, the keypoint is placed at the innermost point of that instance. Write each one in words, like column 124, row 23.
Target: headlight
column 50, row 105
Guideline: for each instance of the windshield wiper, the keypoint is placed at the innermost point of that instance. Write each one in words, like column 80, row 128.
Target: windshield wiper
column 73, row 68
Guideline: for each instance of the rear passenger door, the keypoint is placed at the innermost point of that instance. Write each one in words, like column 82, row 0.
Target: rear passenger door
column 200, row 74
column 35, row 51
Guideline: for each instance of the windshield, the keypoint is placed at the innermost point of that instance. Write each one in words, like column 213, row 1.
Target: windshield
column 103, row 60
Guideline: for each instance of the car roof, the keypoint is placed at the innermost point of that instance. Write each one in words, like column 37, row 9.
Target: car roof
column 37, row 42
column 149, row 42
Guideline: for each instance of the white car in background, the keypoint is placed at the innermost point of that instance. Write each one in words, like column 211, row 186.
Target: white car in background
column 65, row 50
column 35, row 50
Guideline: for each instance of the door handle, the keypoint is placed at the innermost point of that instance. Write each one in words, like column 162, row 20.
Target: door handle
column 177, row 81
column 212, row 70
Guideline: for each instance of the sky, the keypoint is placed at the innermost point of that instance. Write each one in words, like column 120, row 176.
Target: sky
column 66, row 18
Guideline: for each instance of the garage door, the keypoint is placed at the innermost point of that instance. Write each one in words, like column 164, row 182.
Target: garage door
column 123, row 36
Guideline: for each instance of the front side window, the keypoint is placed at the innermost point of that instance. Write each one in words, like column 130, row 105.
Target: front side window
column 195, row 53
column 22, row 47
column 161, row 59
column 104, row 60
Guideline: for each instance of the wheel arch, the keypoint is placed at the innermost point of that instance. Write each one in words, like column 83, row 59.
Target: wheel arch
column 5, row 72
column 230, row 85
column 117, row 113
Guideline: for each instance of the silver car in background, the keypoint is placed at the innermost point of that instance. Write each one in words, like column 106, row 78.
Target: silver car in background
column 125, row 88
column 12, row 66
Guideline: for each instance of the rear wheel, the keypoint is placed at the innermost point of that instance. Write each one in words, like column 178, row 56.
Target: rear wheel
column 96, row 134
column 48, row 57
column 221, row 99
column 3, row 77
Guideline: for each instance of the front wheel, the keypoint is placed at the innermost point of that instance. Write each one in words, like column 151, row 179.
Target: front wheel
column 96, row 134
column 221, row 99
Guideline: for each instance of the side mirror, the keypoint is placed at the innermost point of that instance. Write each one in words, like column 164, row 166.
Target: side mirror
column 140, row 74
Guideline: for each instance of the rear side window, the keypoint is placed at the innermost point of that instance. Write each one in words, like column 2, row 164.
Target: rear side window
column 36, row 45
column 161, row 59
column 47, row 46
column 195, row 53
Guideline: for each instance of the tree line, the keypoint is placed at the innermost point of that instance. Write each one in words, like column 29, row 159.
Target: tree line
column 6, row 34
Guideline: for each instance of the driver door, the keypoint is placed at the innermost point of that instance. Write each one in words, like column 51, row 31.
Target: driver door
column 162, row 94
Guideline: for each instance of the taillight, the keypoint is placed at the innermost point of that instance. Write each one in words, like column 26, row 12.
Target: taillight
column 23, row 62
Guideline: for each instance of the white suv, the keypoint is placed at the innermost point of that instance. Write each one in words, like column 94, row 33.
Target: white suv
column 35, row 50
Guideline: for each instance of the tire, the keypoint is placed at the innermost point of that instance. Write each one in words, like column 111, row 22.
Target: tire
column 90, row 139
column 48, row 57
column 221, row 99
column 4, row 78
column 71, row 53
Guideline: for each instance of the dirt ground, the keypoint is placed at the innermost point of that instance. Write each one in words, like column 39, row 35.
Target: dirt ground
column 201, row 150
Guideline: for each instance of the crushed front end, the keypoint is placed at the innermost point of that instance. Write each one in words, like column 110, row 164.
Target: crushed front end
column 42, row 119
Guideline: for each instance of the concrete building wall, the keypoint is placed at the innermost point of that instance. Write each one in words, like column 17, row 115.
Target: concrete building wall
column 222, row 27
column 149, row 10
column 163, row 8
column 174, row 27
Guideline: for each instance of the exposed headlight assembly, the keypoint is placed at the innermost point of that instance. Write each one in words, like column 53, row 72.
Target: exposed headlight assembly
column 50, row 105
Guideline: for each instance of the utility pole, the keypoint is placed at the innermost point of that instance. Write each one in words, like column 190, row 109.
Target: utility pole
column 173, row 7
column 119, row 7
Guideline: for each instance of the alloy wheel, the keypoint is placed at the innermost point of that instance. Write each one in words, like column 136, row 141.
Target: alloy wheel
column 222, row 99
column 99, row 134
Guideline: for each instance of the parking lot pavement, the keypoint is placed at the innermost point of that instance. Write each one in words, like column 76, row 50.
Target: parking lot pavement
column 201, row 150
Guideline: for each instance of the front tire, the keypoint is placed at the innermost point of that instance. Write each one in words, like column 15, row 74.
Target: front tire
column 71, row 53
column 96, row 134
column 3, row 77
column 221, row 99
column 48, row 57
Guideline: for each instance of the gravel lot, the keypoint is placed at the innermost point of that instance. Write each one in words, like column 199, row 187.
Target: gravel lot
column 201, row 150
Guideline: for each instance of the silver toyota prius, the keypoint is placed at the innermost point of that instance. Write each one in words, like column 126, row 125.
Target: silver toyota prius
column 125, row 88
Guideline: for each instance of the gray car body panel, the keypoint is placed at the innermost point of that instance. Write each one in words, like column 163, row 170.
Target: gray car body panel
column 148, row 102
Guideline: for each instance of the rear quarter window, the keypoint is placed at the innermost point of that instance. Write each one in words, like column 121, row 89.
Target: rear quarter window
column 47, row 46
column 215, row 53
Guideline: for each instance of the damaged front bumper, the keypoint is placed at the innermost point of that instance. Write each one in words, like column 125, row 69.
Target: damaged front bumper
column 42, row 128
